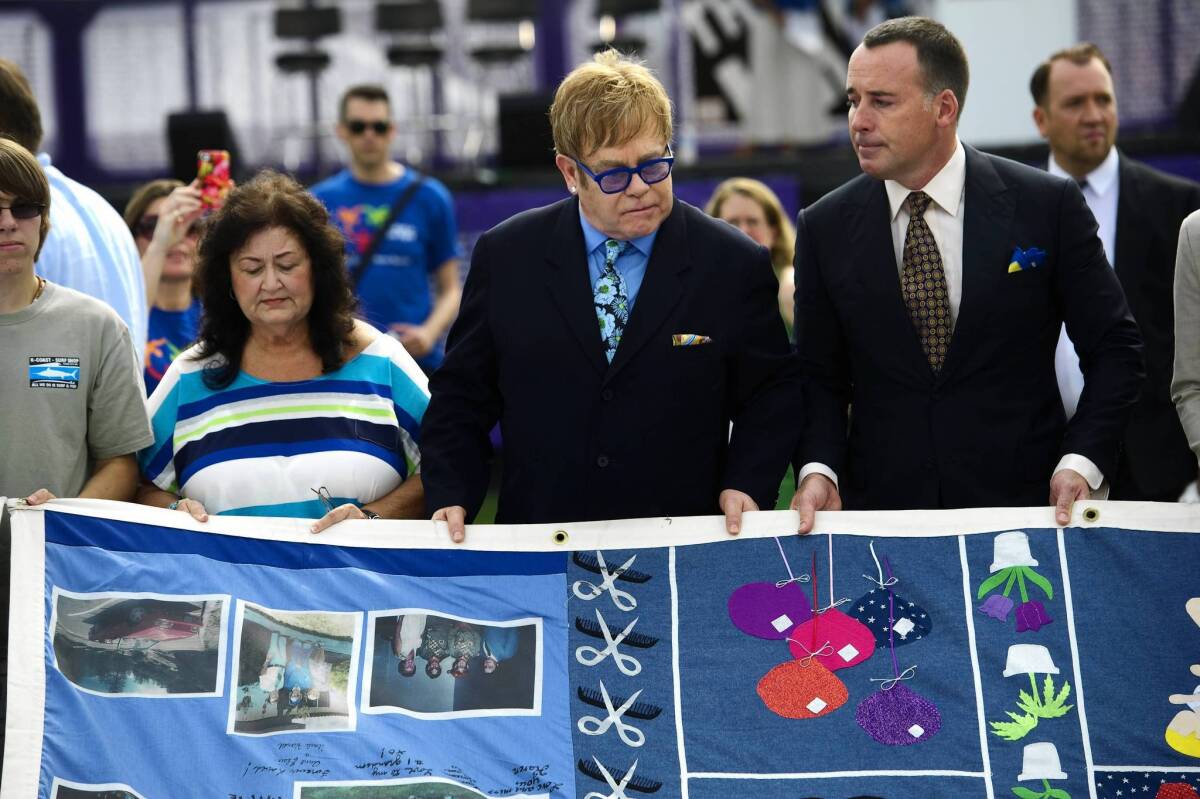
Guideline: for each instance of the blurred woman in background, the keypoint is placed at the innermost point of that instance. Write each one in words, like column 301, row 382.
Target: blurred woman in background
column 753, row 208
column 164, row 216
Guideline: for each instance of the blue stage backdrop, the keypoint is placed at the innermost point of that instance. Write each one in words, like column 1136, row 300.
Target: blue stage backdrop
column 916, row 655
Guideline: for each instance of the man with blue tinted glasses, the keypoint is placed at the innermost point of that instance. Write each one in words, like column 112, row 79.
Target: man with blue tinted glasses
column 615, row 335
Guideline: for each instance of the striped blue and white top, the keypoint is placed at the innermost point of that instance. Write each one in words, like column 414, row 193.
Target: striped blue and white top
column 260, row 448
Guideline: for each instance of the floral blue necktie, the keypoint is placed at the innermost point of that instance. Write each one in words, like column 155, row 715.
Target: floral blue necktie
column 608, row 295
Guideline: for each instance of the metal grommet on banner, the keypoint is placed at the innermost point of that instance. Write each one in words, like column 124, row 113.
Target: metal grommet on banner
column 560, row 537
column 1091, row 515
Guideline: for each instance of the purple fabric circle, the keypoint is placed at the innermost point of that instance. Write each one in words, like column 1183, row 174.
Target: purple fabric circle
column 767, row 611
column 898, row 717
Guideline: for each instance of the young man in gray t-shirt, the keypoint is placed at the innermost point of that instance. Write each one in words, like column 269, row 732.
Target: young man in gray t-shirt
column 72, row 413
column 70, row 391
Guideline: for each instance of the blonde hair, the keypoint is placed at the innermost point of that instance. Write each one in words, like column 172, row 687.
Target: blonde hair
column 21, row 176
column 784, row 248
column 607, row 102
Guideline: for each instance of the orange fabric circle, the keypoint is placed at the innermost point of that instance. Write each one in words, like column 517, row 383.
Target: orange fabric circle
column 797, row 690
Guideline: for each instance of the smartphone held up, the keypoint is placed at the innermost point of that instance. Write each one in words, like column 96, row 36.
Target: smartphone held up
column 212, row 170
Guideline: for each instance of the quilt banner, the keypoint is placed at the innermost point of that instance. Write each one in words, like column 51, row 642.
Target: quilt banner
column 904, row 655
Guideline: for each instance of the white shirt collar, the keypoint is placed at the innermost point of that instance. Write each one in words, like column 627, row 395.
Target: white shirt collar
column 945, row 188
column 1100, row 179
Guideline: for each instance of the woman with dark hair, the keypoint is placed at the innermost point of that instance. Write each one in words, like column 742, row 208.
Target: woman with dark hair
column 286, row 405
column 164, row 217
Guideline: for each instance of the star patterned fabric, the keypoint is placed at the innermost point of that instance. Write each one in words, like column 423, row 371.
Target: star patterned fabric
column 923, row 284
column 610, row 299
column 1151, row 785
column 872, row 609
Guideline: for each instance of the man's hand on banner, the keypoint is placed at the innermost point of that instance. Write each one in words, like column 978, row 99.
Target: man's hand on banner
column 39, row 497
column 816, row 492
column 455, row 518
column 1066, row 486
column 733, row 504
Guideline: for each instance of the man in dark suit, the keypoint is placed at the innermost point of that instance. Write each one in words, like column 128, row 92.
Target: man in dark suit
column 615, row 336
column 1139, row 211
column 929, row 296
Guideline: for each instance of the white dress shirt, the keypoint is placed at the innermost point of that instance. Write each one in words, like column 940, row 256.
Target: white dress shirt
column 944, row 216
column 1100, row 192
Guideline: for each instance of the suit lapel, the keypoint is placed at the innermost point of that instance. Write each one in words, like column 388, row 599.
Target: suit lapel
column 662, row 288
column 569, row 284
column 989, row 208
column 870, row 223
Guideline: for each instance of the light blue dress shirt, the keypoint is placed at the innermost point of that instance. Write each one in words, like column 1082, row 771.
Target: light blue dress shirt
column 631, row 265
column 90, row 249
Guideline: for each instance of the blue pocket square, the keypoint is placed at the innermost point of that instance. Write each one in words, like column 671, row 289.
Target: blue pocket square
column 1026, row 259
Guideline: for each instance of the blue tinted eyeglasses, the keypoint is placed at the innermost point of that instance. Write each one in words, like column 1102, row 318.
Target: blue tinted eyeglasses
column 617, row 179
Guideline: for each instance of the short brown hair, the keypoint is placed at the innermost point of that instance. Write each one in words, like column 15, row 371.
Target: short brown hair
column 605, row 102
column 1079, row 54
column 940, row 54
column 272, row 200
column 146, row 194
column 784, row 248
column 371, row 92
column 22, row 177
column 20, row 119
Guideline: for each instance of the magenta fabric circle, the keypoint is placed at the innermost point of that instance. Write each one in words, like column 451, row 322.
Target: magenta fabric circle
column 766, row 611
column 841, row 641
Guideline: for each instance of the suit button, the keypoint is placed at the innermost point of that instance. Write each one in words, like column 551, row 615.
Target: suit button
column 602, row 461
column 928, row 464
column 606, row 395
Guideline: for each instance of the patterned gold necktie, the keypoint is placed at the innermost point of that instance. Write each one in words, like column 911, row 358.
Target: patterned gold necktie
column 923, row 284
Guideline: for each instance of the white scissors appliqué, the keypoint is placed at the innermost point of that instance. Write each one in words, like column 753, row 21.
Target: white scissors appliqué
column 589, row 591
column 617, row 787
column 592, row 725
column 591, row 656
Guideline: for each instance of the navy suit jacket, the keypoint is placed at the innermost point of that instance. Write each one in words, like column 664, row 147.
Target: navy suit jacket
column 1150, row 209
column 988, row 429
column 649, row 434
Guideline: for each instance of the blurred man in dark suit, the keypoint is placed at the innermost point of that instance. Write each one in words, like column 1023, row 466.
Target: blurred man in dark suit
column 615, row 335
column 1139, row 211
column 929, row 296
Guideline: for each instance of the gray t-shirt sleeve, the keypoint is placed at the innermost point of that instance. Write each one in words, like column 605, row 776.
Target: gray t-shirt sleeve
column 117, row 420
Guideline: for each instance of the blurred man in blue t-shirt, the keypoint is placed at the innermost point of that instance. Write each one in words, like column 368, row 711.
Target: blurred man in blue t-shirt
column 411, row 287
